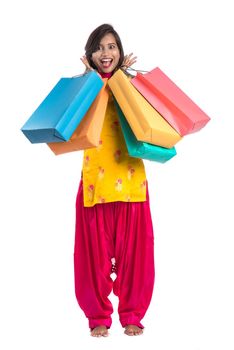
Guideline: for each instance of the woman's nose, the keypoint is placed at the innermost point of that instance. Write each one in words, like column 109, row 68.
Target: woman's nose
column 105, row 50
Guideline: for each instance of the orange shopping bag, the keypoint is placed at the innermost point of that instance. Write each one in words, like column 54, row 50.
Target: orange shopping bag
column 88, row 132
column 146, row 123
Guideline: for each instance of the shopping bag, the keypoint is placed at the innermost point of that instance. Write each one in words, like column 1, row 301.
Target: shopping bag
column 170, row 101
column 146, row 123
column 139, row 149
column 87, row 134
column 61, row 111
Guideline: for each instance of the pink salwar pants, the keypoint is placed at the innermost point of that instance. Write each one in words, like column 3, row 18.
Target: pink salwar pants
column 119, row 230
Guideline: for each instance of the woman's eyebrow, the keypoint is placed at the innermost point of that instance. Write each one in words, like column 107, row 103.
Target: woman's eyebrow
column 108, row 44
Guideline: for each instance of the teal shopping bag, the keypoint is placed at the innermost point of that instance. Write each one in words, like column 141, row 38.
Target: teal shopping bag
column 59, row 114
column 139, row 149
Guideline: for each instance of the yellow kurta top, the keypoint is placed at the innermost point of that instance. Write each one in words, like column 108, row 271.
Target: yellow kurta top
column 109, row 173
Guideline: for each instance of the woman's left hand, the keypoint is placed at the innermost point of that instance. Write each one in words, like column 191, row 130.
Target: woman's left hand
column 128, row 61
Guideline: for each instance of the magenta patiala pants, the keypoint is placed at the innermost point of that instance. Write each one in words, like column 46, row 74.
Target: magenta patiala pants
column 119, row 230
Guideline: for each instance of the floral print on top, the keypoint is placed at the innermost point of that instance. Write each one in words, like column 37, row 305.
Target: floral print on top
column 109, row 173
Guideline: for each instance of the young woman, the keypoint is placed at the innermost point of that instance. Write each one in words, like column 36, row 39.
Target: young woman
column 114, row 231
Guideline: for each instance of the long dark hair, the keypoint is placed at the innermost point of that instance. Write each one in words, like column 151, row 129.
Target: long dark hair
column 94, row 41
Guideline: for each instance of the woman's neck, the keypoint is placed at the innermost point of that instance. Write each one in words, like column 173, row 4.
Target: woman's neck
column 105, row 75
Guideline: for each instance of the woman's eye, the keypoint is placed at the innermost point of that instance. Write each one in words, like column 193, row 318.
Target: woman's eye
column 111, row 46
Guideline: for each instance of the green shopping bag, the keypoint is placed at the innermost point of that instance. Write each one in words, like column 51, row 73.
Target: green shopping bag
column 139, row 149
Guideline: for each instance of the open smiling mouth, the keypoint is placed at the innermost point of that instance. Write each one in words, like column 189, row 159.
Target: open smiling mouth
column 106, row 62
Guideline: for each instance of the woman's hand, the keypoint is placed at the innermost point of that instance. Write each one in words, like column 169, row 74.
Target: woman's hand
column 128, row 61
column 86, row 63
column 88, row 68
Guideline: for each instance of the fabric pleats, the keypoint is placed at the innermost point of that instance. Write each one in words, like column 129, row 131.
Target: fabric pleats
column 119, row 230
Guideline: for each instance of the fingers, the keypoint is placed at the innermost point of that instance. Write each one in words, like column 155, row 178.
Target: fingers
column 86, row 63
column 84, row 60
column 129, row 60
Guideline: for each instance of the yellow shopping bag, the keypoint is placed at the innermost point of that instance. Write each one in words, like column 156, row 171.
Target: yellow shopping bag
column 146, row 123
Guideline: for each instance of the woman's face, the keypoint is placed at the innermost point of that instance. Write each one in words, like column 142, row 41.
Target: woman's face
column 107, row 55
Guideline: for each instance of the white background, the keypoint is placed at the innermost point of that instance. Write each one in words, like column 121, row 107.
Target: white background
column 191, row 195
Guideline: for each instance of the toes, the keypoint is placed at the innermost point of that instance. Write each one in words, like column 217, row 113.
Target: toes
column 96, row 335
column 138, row 331
column 133, row 330
column 100, row 331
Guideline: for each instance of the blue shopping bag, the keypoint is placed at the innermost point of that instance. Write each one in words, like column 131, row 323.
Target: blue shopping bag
column 59, row 114
column 140, row 149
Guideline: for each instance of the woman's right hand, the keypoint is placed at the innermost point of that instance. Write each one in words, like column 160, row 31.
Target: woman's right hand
column 88, row 68
column 86, row 63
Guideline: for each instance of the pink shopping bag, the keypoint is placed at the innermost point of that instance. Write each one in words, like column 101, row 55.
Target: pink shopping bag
column 170, row 101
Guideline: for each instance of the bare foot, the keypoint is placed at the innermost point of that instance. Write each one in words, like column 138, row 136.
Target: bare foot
column 133, row 330
column 99, row 331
